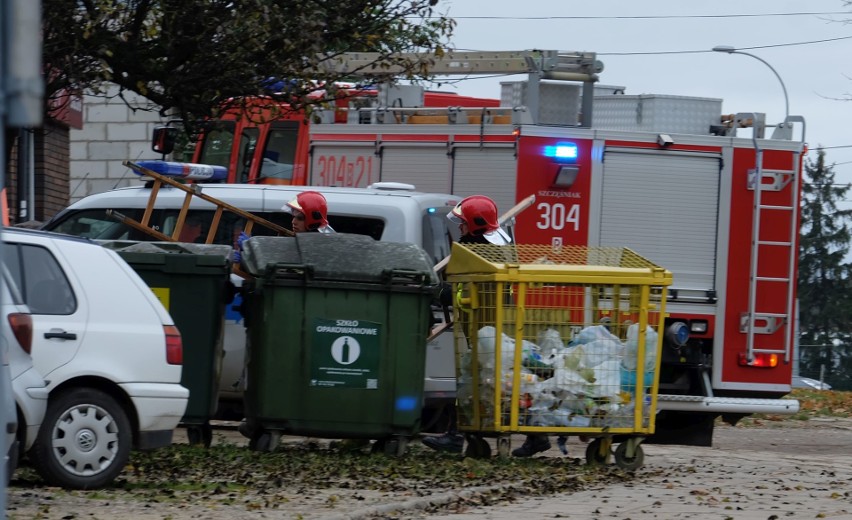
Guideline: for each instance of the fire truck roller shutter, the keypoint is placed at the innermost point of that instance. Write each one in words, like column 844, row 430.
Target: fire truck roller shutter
column 665, row 207
column 490, row 171
column 425, row 165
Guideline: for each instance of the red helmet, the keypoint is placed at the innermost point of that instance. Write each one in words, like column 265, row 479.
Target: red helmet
column 480, row 214
column 312, row 204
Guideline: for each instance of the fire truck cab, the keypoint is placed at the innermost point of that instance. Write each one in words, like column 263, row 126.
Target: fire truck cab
column 266, row 142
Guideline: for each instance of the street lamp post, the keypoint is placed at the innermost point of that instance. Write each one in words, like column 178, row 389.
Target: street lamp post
column 784, row 130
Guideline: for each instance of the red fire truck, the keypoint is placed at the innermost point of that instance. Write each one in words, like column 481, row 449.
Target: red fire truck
column 666, row 176
column 265, row 142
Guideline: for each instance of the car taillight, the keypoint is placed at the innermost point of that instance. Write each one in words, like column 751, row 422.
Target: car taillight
column 174, row 345
column 22, row 328
column 760, row 360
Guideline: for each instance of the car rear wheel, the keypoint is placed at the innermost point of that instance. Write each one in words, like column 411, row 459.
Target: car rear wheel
column 84, row 441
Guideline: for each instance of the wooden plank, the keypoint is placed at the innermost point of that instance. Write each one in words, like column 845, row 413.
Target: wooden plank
column 437, row 330
column 138, row 226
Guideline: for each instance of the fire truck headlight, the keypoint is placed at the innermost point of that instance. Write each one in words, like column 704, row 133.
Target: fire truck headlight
column 698, row 326
column 677, row 333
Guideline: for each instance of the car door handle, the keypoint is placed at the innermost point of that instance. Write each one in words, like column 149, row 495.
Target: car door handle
column 60, row 335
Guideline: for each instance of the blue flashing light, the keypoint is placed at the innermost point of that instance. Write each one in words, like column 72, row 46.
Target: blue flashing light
column 683, row 335
column 561, row 151
column 406, row 403
column 189, row 171
column 431, row 210
column 677, row 333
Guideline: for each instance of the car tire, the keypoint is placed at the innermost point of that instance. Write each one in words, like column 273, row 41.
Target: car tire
column 84, row 441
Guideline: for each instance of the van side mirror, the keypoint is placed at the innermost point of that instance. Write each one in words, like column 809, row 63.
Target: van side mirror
column 164, row 139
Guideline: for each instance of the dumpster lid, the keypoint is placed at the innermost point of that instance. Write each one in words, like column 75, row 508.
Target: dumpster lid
column 222, row 252
column 338, row 256
column 538, row 259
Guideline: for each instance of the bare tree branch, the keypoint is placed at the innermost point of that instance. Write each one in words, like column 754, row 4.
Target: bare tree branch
column 197, row 57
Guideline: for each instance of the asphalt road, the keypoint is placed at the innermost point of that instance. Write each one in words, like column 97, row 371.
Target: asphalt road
column 771, row 471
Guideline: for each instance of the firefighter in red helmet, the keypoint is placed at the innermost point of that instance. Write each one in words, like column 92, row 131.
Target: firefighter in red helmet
column 309, row 210
column 310, row 213
column 477, row 218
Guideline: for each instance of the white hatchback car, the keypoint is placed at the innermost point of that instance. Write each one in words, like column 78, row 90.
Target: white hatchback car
column 27, row 388
column 109, row 351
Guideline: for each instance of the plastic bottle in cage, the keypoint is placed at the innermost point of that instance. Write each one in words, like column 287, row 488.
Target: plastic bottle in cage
column 646, row 409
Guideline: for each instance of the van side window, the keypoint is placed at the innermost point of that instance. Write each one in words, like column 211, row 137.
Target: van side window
column 372, row 227
column 95, row 224
column 42, row 281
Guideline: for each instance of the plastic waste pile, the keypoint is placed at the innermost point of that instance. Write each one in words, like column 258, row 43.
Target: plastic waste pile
column 588, row 382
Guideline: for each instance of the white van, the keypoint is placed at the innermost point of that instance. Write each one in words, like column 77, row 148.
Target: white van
column 390, row 212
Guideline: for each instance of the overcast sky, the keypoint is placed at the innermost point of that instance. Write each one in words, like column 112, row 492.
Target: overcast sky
column 816, row 72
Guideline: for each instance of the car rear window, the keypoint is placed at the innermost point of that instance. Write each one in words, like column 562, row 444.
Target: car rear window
column 42, row 282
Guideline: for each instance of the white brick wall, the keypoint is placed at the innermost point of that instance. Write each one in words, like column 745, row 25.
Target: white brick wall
column 112, row 133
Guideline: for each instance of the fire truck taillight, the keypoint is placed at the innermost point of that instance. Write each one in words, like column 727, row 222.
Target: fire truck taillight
column 760, row 360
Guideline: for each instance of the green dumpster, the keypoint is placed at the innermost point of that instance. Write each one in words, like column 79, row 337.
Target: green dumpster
column 192, row 282
column 337, row 327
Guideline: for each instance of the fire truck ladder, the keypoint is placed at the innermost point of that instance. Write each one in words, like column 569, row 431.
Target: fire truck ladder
column 539, row 65
column 755, row 321
column 191, row 190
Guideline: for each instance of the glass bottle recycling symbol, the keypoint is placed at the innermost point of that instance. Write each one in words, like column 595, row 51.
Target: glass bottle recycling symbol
column 345, row 350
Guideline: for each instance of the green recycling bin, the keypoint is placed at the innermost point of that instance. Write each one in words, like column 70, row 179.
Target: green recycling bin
column 336, row 347
column 193, row 283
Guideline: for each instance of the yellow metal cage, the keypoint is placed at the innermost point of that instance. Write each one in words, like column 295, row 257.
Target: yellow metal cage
column 556, row 340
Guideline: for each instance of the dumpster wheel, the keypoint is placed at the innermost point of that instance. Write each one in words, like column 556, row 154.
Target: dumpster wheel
column 598, row 451
column 200, row 434
column 263, row 440
column 394, row 446
column 626, row 460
